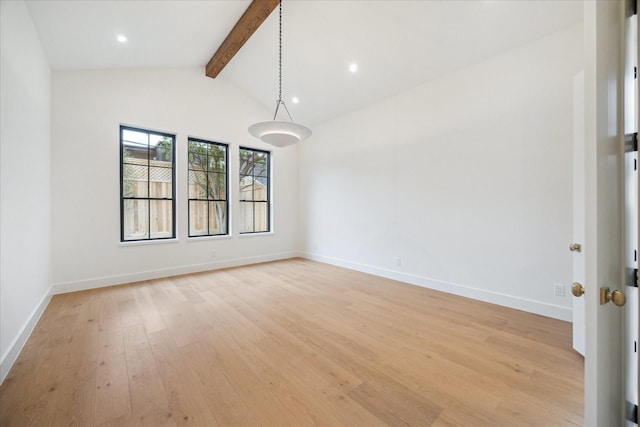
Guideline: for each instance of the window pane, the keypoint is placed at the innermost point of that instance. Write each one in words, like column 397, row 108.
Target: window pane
column 197, row 157
column 133, row 136
column 246, row 162
column 198, row 218
column 260, row 189
column 197, row 185
column 134, row 181
column 246, row 188
column 132, row 188
column 197, row 147
column 217, row 159
column 161, row 148
column 217, row 186
column 137, row 171
column 132, row 152
column 246, row 217
column 161, row 219
column 160, row 184
column 217, row 218
column 260, row 164
column 261, row 217
column 135, row 219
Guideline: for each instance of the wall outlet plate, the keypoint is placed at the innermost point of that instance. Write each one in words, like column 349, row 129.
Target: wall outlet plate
column 558, row 290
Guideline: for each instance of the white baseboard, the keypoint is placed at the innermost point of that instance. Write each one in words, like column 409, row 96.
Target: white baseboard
column 100, row 282
column 531, row 306
column 10, row 356
column 12, row 353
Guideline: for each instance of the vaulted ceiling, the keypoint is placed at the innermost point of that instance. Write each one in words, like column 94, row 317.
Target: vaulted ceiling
column 396, row 44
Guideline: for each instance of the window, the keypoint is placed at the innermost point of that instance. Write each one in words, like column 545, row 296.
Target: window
column 208, row 207
column 254, row 191
column 147, row 176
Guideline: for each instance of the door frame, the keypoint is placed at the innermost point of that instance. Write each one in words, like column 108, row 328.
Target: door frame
column 604, row 246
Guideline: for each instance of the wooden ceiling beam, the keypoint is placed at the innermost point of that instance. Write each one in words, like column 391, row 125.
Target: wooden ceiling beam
column 248, row 23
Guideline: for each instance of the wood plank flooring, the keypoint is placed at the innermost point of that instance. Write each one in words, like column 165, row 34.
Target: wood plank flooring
column 290, row 343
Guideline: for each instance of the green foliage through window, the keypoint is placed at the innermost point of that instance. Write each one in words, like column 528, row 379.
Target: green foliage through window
column 208, row 178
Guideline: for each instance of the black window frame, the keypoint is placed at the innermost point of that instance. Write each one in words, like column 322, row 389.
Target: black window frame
column 149, row 132
column 208, row 200
column 268, row 189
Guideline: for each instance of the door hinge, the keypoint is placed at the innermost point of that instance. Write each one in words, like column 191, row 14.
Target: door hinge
column 631, row 142
column 632, row 412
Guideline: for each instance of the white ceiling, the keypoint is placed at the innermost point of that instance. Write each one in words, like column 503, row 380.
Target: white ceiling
column 397, row 44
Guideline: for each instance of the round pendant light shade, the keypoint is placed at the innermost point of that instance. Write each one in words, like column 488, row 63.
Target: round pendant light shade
column 278, row 133
column 274, row 132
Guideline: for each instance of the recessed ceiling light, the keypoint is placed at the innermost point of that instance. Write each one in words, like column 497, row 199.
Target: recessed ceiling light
column 295, row 100
column 353, row 67
column 121, row 38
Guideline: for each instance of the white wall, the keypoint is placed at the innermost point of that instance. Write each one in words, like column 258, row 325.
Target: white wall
column 466, row 180
column 25, row 230
column 88, row 108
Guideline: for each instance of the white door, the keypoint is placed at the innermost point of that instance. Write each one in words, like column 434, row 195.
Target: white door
column 631, row 113
column 633, row 300
column 604, row 260
column 578, row 210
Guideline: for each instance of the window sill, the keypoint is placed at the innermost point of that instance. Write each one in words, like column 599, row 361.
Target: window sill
column 148, row 242
column 207, row 238
column 263, row 233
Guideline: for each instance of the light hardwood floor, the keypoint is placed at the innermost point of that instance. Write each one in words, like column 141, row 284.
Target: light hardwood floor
column 290, row 343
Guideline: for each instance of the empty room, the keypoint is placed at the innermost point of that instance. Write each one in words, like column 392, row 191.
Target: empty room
column 318, row 213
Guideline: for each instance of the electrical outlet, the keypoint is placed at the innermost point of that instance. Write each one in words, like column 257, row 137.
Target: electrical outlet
column 213, row 254
column 558, row 290
column 398, row 262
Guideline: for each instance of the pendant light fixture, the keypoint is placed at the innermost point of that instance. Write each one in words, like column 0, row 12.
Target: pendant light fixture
column 274, row 132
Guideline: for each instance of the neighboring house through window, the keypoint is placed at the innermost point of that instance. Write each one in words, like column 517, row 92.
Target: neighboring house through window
column 147, row 177
column 208, row 178
column 255, row 208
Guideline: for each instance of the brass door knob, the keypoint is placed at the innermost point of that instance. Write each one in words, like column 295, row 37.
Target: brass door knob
column 577, row 289
column 617, row 297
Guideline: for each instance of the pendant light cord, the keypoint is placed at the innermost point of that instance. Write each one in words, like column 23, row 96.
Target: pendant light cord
column 280, row 55
column 280, row 101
